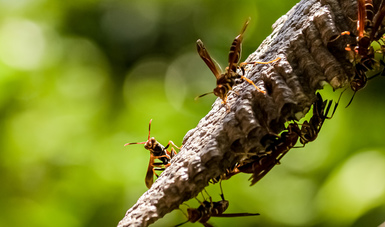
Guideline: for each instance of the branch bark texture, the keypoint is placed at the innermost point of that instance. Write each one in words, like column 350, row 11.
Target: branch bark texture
column 222, row 138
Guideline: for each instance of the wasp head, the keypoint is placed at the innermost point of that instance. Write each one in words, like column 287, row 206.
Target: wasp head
column 150, row 144
column 221, row 92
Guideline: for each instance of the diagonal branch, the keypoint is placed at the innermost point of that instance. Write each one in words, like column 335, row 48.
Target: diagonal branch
column 221, row 139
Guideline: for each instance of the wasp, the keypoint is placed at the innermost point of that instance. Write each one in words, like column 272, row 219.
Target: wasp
column 369, row 30
column 310, row 129
column 362, row 53
column 279, row 145
column 209, row 209
column 226, row 175
column 261, row 164
column 359, row 80
column 226, row 80
column 365, row 27
column 157, row 151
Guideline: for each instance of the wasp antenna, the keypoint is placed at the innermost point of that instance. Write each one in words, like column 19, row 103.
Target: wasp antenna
column 351, row 100
column 149, row 129
column 245, row 25
column 200, row 96
column 338, row 101
column 339, row 98
column 377, row 74
column 135, row 143
column 335, row 107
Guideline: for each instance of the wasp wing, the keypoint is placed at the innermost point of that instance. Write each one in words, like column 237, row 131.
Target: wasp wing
column 236, row 49
column 150, row 172
column 378, row 20
column 211, row 63
column 361, row 18
column 231, row 215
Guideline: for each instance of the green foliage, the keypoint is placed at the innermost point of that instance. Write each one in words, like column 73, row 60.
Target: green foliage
column 80, row 79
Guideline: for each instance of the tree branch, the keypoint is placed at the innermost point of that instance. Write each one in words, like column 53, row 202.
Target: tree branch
column 221, row 139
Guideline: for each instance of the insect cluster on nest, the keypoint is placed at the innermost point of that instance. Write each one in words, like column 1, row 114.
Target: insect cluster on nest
column 370, row 28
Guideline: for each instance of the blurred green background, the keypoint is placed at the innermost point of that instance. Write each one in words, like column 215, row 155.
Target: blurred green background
column 78, row 79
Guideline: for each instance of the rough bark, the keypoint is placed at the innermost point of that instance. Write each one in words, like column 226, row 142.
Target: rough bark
column 222, row 138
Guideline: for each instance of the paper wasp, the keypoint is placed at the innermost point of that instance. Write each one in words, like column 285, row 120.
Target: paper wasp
column 261, row 164
column 226, row 80
column 359, row 80
column 279, row 146
column 157, row 151
column 209, row 209
column 310, row 129
column 363, row 49
column 226, row 175
column 369, row 30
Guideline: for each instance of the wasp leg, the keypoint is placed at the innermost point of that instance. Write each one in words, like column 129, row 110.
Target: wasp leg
column 261, row 62
column 342, row 33
column 252, row 83
column 172, row 143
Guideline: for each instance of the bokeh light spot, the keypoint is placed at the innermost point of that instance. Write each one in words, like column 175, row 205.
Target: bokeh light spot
column 355, row 187
column 22, row 44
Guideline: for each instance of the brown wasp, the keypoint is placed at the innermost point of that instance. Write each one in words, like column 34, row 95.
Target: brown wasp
column 226, row 175
column 226, row 80
column 363, row 50
column 260, row 165
column 369, row 30
column 311, row 129
column 362, row 53
column 157, row 151
column 364, row 27
column 209, row 209
column 359, row 80
column 278, row 147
